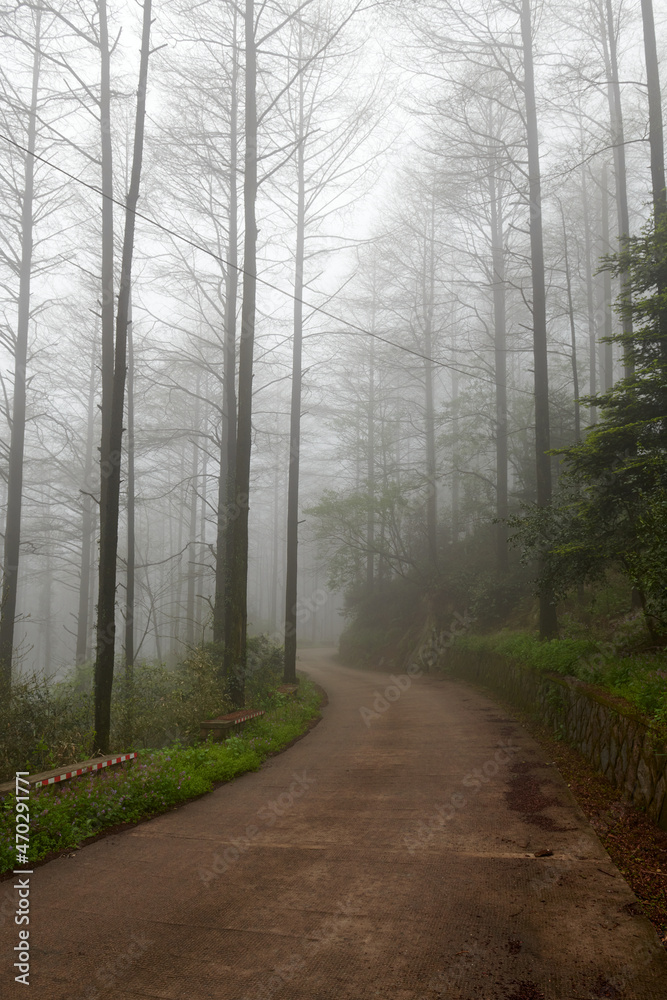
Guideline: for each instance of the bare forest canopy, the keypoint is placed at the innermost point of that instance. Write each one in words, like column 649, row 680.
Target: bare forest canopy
column 326, row 271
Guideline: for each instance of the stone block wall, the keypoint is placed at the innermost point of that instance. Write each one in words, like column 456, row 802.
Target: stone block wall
column 607, row 730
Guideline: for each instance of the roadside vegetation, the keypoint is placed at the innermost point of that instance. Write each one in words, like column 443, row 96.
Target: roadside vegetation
column 49, row 724
column 639, row 678
column 64, row 816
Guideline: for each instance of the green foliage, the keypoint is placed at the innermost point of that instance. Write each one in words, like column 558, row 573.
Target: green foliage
column 44, row 725
column 640, row 679
column 264, row 671
column 155, row 704
column 49, row 724
column 63, row 815
column 342, row 523
column 559, row 656
column 611, row 507
column 379, row 622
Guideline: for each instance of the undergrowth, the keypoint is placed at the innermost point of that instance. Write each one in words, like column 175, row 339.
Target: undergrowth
column 640, row 678
column 48, row 724
column 62, row 816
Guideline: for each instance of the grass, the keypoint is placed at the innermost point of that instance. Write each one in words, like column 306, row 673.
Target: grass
column 640, row 678
column 48, row 724
column 63, row 816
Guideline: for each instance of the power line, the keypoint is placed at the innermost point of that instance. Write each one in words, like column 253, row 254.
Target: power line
column 276, row 288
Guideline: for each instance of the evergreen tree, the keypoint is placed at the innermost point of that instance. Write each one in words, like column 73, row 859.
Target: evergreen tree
column 611, row 508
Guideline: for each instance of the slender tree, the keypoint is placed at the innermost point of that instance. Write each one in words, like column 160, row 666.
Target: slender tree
column 236, row 602
column 548, row 618
column 111, row 449
column 17, row 441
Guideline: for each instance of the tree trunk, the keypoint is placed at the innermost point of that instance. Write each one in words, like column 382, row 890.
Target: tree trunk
column 618, row 143
column 428, row 295
column 17, row 440
column 130, row 571
column 130, row 568
column 110, row 485
column 82, row 628
column 656, row 139
column 500, row 352
column 295, row 412
column 573, row 334
column 606, row 349
column 273, row 602
column 201, row 617
column 370, row 461
column 224, row 549
column 192, row 529
column 548, row 619
column 590, row 305
column 236, row 619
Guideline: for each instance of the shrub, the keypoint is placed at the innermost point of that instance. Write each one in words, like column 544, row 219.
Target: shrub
column 49, row 724
column 63, row 815
column 641, row 679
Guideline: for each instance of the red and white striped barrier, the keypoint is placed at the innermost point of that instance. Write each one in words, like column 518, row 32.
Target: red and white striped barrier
column 60, row 774
column 86, row 768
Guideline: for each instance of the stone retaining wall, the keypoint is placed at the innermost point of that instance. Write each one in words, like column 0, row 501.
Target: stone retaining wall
column 612, row 736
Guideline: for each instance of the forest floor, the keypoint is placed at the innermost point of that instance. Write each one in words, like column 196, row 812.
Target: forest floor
column 416, row 843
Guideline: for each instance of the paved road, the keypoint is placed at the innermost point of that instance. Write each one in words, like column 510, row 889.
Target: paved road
column 389, row 854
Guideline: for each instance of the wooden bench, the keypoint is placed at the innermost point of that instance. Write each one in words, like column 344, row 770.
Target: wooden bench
column 221, row 726
column 65, row 773
column 289, row 690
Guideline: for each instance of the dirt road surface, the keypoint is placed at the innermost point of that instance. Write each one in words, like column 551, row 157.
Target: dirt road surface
column 391, row 854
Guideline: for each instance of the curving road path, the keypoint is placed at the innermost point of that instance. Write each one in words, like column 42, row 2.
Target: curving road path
column 389, row 854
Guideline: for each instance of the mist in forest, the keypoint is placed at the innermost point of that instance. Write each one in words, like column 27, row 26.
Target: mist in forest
column 297, row 301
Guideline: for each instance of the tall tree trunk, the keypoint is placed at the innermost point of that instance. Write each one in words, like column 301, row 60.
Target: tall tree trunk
column 618, row 143
column 178, row 576
column 108, row 301
column 192, row 529
column 590, row 304
column 92, row 599
column 110, row 485
column 656, row 139
column 295, row 411
column 17, row 440
column 130, row 561
column 273, row 603
column 573, row 333
column 82, row 629
column 500, row 358
column 130, row 570
column 606, row 349
column 236, row 619
column 548, row 618
column 201, row 617
column 46, row 611
column 224, row 550
column 370, row 461
column 428, row 304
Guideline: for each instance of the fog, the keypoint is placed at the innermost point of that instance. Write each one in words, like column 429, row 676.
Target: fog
column 395, row 212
